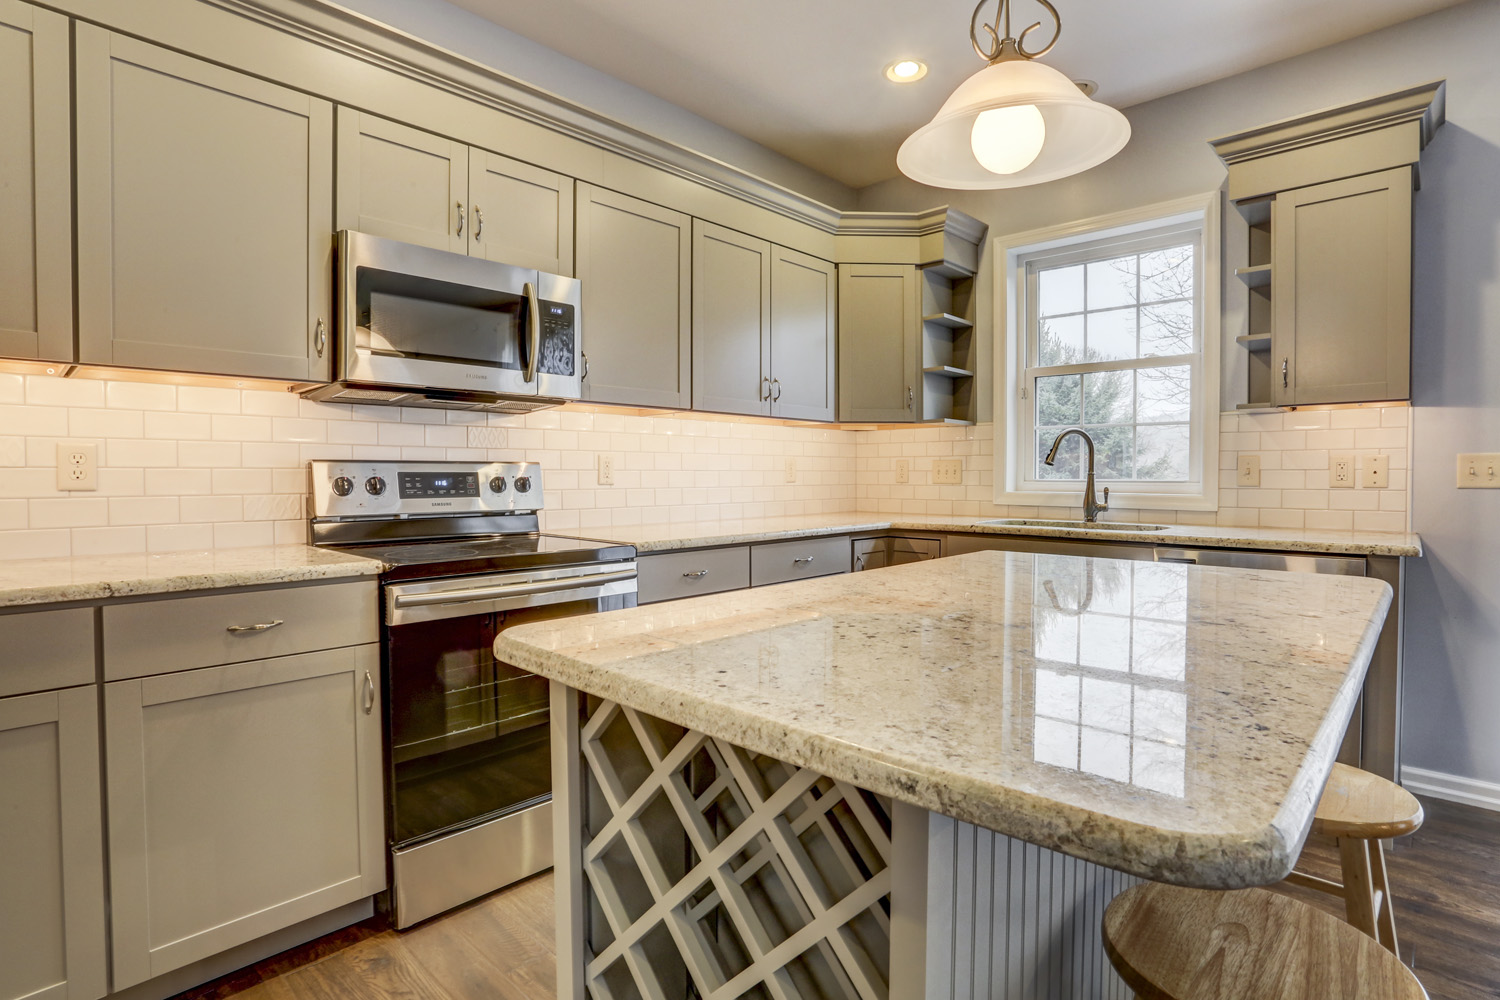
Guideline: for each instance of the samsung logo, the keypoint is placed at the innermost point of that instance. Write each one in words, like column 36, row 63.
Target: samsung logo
column 441, row 503
column 477, row 375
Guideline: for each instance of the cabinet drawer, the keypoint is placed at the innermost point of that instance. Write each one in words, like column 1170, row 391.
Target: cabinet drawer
column 801, row 559
column 672, row 575
column 46, row 650
column 159, row 637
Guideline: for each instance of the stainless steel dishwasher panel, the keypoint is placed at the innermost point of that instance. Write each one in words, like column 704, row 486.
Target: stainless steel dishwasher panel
column 1284, row 561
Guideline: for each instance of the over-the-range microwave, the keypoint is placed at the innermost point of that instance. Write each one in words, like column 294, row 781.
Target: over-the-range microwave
column 423, row 327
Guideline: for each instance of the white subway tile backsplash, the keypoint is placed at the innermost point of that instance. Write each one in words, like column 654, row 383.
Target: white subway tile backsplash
column 12, row 388
column 108, row 541
column 140, row 396
column 44, row 390
column 207, row 399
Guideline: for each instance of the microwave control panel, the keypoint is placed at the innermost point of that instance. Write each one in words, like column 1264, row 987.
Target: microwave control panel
column 386, row 489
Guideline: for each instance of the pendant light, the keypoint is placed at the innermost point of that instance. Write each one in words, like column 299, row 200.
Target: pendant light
column 1015, row 122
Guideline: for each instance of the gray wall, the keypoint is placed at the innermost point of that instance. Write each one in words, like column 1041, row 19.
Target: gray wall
column 485, row 42
column 1452, row 641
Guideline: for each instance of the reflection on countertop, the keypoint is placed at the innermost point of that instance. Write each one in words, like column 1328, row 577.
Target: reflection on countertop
column 1173, row 721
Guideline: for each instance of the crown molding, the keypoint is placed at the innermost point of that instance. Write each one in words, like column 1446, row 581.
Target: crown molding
column 1423, row 104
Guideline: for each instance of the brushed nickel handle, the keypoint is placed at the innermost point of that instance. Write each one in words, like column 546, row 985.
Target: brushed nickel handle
column 777, row 383
column 765, row 388
column 911, row 398
column 369, row 693
column 534, row 327
column 1283, row 372
column 802, row 559
column 461, row 218
column 696, row 575
column 320, row 337
column 585, row 356
column 254, row 628
column 478, row 224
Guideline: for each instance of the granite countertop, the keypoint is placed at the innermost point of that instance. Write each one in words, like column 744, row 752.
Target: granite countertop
column 1176, row 722
column 90, row 578
column 665, row 537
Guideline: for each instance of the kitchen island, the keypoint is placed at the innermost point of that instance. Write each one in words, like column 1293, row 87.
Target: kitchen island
column 928, row 780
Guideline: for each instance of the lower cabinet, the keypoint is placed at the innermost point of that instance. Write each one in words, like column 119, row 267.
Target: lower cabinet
column 52, row 941
column 242, row 799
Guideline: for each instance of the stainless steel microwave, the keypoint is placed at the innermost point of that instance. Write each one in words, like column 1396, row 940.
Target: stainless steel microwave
column 424, row 327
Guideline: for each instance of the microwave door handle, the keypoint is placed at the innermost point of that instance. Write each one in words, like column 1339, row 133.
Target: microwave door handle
column 533, row 330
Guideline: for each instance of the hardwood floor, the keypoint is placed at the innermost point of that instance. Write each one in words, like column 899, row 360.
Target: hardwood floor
column 1446, row 878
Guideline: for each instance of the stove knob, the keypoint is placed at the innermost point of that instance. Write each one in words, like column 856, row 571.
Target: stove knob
column 374, row 486
column 343, row 486
column 523, row 484
column 497, row 484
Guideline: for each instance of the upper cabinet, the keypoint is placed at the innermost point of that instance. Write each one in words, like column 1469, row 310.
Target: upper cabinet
column 879, row 329
column 405, row 184
column 1328, row 202
column 764, row 327
column 635, row 268
column 204, row 201
column 36, row 252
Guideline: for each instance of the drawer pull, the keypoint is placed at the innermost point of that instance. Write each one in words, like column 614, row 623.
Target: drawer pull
column 696, row 575
column 802, row 559
column 369, row 693
column 255, row 628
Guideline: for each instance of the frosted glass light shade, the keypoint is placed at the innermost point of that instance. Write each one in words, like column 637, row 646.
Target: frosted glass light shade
column 1008, row 140
column 1079, row 133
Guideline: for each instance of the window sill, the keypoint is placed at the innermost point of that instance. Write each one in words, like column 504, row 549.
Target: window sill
column 1117, row 500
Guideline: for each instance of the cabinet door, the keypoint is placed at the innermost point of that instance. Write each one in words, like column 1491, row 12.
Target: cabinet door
column 36, row 201
column 804, row 334
column 521, row 215
column 635, row 266
column 401, row 183
column 205, row 214
column 52, row 864
column 731, row 321
column 1341, row 282
column 879, row 323
column 242, row 799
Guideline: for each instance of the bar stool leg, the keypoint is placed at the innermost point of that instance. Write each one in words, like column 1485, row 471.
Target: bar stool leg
column 1386, row 918
column 1359, row 887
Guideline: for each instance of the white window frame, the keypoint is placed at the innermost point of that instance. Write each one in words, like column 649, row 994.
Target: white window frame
column 1014, row 406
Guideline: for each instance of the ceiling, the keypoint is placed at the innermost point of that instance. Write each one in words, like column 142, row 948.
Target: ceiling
column 804, row 77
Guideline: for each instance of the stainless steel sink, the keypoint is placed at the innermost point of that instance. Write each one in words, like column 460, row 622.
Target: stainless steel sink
column 1025, row 522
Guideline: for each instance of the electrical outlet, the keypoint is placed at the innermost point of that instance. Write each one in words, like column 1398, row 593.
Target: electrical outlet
column 1375, row 472
column 948, row 471
column 1341, row 472
column 1249, row 474
column 606, row 470
column 791, row 470
column 903, row 470
column 1478, row 471
column 77, row 466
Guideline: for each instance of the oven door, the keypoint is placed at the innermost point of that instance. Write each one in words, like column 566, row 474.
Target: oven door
column 415, row 317
column 469, row 735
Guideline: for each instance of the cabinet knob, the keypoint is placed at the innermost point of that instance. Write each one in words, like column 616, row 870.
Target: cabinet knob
column 320, row 337
column 460, row 218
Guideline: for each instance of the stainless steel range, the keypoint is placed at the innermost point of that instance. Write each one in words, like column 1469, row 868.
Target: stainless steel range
column 469, row 776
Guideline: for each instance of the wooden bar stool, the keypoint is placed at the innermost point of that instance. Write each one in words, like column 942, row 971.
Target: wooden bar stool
column 1171, row 943
column 1362, row 809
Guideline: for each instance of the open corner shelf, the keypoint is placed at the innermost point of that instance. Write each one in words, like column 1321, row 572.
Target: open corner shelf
column 948, row 371
column 1258, row 276
column 950, row 422
column 1255, row 341
column 949, row 320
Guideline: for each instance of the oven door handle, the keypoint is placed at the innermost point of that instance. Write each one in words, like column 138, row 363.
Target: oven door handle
column 505, row 590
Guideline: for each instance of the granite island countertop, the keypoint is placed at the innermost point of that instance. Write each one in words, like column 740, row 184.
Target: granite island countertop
column 669, row 536
column 25, row 582
column 1176, row 722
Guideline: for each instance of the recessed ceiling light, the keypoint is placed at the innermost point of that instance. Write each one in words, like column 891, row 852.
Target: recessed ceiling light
column 906, row 71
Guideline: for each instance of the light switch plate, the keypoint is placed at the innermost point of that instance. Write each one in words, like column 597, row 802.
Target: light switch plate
column 1341, row 471
column 948, row 471
column 1375, row 472
column 1249, row 471
column 77, row 466
column 1478, row 471
column 903, row 470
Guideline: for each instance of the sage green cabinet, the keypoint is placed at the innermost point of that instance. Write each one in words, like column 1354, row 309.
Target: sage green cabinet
column 36, row 198
column 1341, row 274
column 242, row 799
column 635, row 267
column 879, row 328
column 406, row 184
column 205, row 201
column 731, row 321
column 804, row 336
column 52, row 936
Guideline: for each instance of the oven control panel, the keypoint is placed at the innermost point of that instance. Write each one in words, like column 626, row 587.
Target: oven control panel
column 386, row 489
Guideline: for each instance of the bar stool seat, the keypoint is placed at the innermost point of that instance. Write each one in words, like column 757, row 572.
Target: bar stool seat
column 1172, row 943
column 1362, row 809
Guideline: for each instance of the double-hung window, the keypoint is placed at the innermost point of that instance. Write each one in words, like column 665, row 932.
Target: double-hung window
column 1108, row 333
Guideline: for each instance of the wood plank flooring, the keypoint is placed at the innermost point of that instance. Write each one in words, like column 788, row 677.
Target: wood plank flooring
column 1446, row 878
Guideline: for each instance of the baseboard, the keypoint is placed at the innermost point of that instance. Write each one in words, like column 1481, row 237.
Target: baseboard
column 1451, row 787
